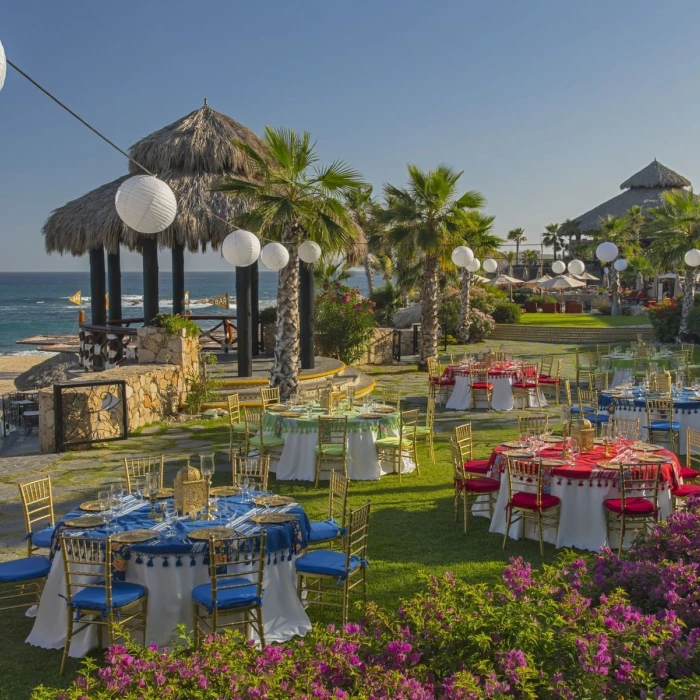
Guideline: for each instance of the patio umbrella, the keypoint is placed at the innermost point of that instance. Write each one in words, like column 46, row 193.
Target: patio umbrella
column 639, row 282
column 562, row 282
column 586, row 276
column 503, row 280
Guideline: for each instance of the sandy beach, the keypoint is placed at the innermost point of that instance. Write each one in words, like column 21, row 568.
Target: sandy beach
column 13, row 365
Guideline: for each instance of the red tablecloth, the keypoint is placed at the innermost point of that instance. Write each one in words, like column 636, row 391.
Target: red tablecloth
column 498, row 370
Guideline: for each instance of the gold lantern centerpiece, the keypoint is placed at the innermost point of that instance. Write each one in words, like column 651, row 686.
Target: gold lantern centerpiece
column 584, row 432
column 190, row 491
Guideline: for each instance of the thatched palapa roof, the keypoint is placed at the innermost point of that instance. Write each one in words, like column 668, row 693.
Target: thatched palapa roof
column 644, row 189
column 191, row 155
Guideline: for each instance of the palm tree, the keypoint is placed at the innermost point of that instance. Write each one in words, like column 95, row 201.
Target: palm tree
column 635, row 220
column 550, row 238
column 289, row 199
column 517, row 236
column 329, row 272
column 675, row 227
column 530, row 259
column 431, row 218
column 363, row 210
column 509, row 257
column 569, row 229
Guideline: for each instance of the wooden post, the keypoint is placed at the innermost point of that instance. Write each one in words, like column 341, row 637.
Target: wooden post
column 306, row 314
column 114, row 276
column 150, row 278
column 243, row 322
column 178, row 256
column 98, row 312
column 255, row 306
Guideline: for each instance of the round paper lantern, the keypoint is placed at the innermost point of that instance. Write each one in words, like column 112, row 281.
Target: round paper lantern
column 620, row 265
column 576, row 267
column 490, row 265
column 692, row 257
column 3, row 65
column 146, row 204
column 241, row 248
column 606, row 252
column 474, row 265
column 462, row 256
column 558, row 267
column 274, row 256
column 309, row 252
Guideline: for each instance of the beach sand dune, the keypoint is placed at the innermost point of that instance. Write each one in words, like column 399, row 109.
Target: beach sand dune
column 12, row 366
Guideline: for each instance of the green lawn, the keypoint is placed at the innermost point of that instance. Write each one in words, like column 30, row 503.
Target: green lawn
column 581, row 320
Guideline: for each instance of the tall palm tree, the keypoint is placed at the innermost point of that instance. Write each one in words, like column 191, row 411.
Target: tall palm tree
column 550, row 238
column 675, row 227
column 510, row 258
column 517, row 236
column 482, row 241
column 291, row 198
column 431, row 217
column 363, row 210
column 635, row 220
column 530, row 259
column 568, row 230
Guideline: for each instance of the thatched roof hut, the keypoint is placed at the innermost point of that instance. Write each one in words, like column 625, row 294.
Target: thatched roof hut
column 644, row 189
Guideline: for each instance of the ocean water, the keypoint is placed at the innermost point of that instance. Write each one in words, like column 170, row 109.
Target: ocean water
column 35, row 303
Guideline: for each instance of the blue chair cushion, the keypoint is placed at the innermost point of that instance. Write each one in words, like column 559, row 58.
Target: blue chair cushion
column 95, row 598
column 600, row 418
column 664, row 425
column 323, row 562
column 227, row 597
column 43, row 537
column 322, row 530
column 24, row 569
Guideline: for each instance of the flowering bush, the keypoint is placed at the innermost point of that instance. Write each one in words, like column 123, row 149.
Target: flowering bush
column 480, row 325
column 665, row 319
column 344, row 322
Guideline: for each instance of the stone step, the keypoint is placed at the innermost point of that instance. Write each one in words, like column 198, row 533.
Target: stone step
column 555, row 334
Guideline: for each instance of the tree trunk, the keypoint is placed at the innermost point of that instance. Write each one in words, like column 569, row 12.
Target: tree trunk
column 369, row 273
column 463, row 332
column 429, row 321
column 688, row 301
column 615, row 286
column 285, row 370
column 517, row 251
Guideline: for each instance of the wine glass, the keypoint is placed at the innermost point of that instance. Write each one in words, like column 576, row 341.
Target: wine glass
column 152, row 488
column 138, row 486
column 170, row 515
column 245, row 489
column 117, row 494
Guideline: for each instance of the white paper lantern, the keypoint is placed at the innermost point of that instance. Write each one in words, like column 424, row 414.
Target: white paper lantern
column 558, row 267
column 274, row 256
column 474, row 265
column 146, row 204
column 606, row 252
column 692, row 257
column 576, row 267
column 620, row 264
column 3, row 65
column 241, row 248
column 490, row 265
column 309, row 252
column 462, row 256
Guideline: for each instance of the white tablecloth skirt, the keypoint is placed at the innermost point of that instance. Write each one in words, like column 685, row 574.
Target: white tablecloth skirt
column 170, row 603
column 621, row 376
column 582, row 521
column 298, row 459
column 502, row 398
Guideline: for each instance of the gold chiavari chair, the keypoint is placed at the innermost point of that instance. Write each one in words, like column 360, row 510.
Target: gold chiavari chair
column 660, row 419
column 469, row 488
column 628, row 428
column 464, row 439
column 553, row 380
column 140, row 467
column 264, row 444
column 598, row 381
column 236, row 425
column 332, row 530
column 638, row 502
column 535, row 424
column 527, row 501
column 329, row 576
column 270, row 396
column 527, row 383
column 437, row 386
column 498, row 356
column 233, row 598
column 588, row 403
column 546, row 363
column 583, row 367
column 690, row 473
column 602, row 351
column 37, row 505
column 392, row 397
column 93, row 597
column 425, row 432
column 332, row 447
column 480, row 383
column 395, row 449
column 640, row 366
column 255, row 469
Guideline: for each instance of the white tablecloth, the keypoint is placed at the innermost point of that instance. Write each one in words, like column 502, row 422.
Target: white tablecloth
column 688, row 418
column 502, row 398
column 170, row 603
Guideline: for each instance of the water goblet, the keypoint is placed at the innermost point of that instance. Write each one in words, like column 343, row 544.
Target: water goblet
column 207, row 469
column 170, row 519
column 161, row 511
column 575, row 451
column 152, row 488
column 137, row 488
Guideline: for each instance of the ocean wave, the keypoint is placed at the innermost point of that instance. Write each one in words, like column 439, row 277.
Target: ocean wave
column 27, row 353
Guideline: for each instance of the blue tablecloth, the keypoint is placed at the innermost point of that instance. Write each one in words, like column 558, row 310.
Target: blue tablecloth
column 681, row 404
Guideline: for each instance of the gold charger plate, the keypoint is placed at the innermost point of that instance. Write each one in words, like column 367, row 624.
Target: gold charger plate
column 204, row 533
column 644, row 447
column 165, row 493
column 289, row 414
column 369, row 416
column 553, row 439
column 85, row 521
column 384, row 409
column 225, row 491
column 276, row 408
column 274, row 501
column 514, row 445
column 519, row 454
column 650, row 459
column 272, row 518
column 553, row 463
column 90, row 506
column 598, row 441
column 608, row 464
column 133, row 536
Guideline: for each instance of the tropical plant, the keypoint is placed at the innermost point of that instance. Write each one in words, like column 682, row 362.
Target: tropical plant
column 363, row 212
column 383, row 264
column 635, row 221
column 517, row 236
column 675, row 229
column 531, row 258
column 506, row 312
column 509, row 257
column 430, row 218
column 387, row 301
column 203, row 385
column 289, row 198
column 329, row 272
column 172, row 325
column 569, row 229
column 550, row 238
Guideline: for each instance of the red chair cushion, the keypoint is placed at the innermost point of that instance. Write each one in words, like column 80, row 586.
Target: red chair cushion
column 481, row 485
column 544, row 376
column 689, row 474
column 442, row 381
column 522, row 499
column 549, row 380
column 525, row 385
column 477, row 466
column 633, row 506
column 482, row 385
column 686, row 490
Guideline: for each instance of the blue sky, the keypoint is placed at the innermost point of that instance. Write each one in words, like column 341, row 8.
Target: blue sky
column 546, row 105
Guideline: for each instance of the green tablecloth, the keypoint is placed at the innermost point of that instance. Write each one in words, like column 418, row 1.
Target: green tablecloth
column 280, row 425
column 664, row 362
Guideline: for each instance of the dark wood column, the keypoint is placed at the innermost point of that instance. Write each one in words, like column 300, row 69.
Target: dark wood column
column 98, row 289
column 306, row 314
column 178, row 255
column 150, row 278
column 243, row 322
column 114, row 276
column 255, row 306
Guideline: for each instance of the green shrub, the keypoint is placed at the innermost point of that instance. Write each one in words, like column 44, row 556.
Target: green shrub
column 387, row 302
column 694, row 324
column 665, row 318
column 448, row 311
column 482, row 299
column 602, row 305
column 506, row 312
column 481, row 325
column 268, row 315
column 172, row 325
